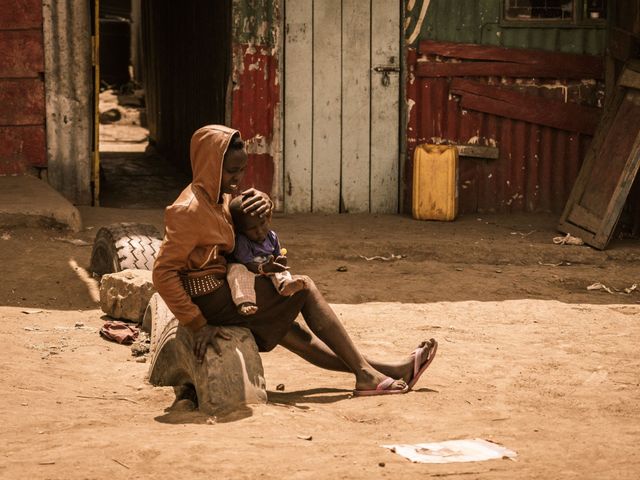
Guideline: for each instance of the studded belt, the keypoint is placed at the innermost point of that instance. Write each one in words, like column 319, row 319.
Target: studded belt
column 197, row 284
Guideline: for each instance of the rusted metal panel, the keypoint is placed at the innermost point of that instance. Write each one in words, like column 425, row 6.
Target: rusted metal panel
column 537, row 165
column 20, row 14
column 22, row 133
column 255, row 98
column 22, row 147
column 21, row 52
column 22, row 101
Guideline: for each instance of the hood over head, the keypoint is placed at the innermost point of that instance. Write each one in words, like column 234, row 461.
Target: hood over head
column 208, row 147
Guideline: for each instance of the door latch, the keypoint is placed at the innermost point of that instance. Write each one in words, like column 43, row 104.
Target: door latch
column 385, row 70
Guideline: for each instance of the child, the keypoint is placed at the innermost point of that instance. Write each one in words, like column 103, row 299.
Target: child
column 257, row 251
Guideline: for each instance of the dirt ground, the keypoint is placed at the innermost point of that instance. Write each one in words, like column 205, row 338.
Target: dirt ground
column 528, row 358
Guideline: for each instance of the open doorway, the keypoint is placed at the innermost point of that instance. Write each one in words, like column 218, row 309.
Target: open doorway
column 164, row 70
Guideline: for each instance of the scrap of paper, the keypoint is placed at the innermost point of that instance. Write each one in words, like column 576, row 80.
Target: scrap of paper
column 452, row 451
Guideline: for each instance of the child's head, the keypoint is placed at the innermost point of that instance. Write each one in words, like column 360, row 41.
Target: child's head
column 254, row 227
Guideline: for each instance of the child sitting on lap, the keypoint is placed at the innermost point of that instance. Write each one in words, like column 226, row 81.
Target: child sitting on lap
column 257, row 251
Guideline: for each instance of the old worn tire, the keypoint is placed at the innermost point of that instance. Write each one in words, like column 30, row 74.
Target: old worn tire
column 124, row 245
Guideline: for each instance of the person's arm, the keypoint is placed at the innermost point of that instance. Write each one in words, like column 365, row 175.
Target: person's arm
column 178, row 243
column 277, row 251
column 243, row 253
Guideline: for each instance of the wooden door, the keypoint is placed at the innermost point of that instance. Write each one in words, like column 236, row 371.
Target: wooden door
column 341, row 106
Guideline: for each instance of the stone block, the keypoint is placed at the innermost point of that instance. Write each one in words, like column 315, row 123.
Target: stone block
column 223, row 383
column 126, row 294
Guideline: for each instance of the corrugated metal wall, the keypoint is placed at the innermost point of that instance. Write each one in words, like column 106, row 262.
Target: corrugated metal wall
column 537, row 165
column 186, row 69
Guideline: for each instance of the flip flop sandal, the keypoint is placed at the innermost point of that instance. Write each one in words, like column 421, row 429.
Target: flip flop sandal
column 383, row 388
column 418, row 369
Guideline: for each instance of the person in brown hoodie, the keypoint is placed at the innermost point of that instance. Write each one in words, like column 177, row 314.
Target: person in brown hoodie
column 189, row 273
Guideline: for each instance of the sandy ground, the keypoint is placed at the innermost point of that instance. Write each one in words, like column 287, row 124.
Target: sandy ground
column 528, row 358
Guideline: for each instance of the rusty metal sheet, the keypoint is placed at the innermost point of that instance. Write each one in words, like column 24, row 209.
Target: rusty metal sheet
column 537, row 165
column 22, row 147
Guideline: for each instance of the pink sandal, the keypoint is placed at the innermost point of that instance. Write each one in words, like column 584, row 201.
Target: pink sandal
column 383, row 388
column 418, row 369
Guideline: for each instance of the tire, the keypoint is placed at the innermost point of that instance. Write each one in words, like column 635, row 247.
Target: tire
column 124, row 245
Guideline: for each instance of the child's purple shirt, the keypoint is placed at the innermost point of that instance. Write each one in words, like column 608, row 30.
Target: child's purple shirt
column 245, row 250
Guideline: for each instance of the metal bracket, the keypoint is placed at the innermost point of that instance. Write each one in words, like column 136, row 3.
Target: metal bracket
column 385, row 70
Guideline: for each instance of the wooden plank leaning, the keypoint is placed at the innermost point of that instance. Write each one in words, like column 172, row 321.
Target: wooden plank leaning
column 609, row 169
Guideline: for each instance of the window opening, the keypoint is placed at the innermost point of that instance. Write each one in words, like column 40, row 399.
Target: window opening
column 539, row 10
column 554, row 11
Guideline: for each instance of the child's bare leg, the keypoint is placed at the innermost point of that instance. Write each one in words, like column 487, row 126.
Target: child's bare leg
column 286, row 284
column 305, row 344
column 325, row 324
column 242, row 285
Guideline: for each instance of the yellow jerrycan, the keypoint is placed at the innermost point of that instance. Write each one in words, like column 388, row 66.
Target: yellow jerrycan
column 435, row 182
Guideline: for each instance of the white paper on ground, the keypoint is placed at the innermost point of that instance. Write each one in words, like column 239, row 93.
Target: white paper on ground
column 452, row 451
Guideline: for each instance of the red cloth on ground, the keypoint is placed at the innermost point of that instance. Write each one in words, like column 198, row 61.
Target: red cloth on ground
column 119, row 332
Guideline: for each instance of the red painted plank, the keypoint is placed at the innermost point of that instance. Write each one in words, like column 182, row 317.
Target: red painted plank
column 22, row 53
column 471, row 51
column 255, row 99
column 538, row 116
column 256, row 92
column 259, row 173
column 503, row 69
column 532, row 108
column 22, row 102
column 20, row 14
column 22, row 147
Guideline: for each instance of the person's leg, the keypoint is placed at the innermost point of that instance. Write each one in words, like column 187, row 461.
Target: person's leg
column 325, row 324
column 305, row 344
column 285, row 284
column 241, row 283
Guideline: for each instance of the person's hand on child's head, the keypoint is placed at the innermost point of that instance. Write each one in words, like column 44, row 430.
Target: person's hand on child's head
column 255, row 202
column 271, row 266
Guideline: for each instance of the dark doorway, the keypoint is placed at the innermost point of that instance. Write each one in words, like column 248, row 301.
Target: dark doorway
column 179, row 62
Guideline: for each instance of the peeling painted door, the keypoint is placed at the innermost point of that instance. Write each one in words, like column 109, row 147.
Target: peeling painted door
column 341, row 106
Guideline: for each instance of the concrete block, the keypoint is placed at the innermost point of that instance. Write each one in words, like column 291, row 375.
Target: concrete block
column 126, row 294
column 28, row 201
column 223, row 383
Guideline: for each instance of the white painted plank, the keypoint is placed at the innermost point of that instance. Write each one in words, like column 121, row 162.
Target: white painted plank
column 326, row 105
column 356, row 71
column 385, row 45
column 298, row 109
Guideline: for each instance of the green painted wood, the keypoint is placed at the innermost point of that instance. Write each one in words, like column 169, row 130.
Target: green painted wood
column 472, row 21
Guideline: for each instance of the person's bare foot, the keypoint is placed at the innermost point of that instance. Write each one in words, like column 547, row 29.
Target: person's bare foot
column 368, row 382
column 289, row 287
column 247, row 308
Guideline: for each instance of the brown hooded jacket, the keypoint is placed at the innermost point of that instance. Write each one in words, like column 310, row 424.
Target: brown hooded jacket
column 198, row 229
